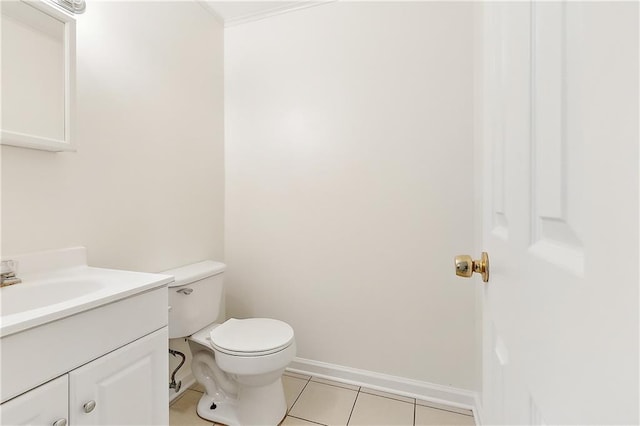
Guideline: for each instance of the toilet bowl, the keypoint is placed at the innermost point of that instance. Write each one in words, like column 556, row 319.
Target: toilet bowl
column 239, row 362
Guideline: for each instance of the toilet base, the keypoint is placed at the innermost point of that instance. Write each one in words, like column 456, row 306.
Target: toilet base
column 225, row 411
column 264, row 405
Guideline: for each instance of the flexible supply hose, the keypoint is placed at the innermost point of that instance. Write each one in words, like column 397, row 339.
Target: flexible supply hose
column 173, row 384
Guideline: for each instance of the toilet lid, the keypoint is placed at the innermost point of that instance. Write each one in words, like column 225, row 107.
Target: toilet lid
column 251, row 336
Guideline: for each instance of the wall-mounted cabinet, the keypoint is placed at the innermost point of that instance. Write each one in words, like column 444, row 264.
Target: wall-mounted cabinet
column 38, row 75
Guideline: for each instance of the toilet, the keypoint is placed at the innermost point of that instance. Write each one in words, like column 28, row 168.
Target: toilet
column 239, row 362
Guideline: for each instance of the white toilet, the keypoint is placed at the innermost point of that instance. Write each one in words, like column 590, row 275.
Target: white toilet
column 239, row 362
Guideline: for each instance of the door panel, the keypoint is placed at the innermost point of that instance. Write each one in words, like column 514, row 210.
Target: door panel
column 128, row 385
column 557, row 166
column 43, row 405
column 560, row 212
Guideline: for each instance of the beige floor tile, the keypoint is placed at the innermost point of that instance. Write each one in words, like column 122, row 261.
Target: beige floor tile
column 297, row 375
column 292, row 388
column 378, row 410
column 335, row 383
column 182, row 412
column 388, row 395
column 292, row 421
column 444, row 407
column 321, row 403
column 431, row 416
column 197, row 387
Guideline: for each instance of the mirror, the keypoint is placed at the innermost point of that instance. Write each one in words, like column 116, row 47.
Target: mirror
column 38, row 70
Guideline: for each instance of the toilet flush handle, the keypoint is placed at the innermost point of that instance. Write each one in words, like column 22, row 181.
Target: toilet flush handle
column 186, row 291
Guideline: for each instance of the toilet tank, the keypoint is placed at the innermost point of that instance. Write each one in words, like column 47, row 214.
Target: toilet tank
column 195, row 297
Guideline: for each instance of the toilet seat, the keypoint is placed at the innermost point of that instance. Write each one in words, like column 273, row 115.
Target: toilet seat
column 251, row 336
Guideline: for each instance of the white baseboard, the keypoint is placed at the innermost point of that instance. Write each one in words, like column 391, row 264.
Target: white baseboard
column 477, row 410
column 432, row 392
column 426, row 391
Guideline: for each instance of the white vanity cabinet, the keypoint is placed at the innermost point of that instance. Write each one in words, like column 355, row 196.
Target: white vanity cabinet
column 83, row 345
column 45, row 405
column 124, row 387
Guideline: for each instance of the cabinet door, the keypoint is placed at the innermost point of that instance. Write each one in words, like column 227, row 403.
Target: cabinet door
column 125, row 387
column 44, row 405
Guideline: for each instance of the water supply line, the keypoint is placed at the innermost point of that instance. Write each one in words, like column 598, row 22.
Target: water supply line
column 173, row 384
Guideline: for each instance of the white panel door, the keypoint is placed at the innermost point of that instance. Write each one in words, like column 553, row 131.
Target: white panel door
column 125, row 387
column 44, row 405
column 560, row 212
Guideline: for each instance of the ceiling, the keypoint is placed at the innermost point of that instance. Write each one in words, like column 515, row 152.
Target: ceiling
column 236, row 12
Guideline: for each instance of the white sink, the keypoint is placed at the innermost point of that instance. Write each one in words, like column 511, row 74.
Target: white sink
column 35, row 294
column 59, row 283
column 65, row 314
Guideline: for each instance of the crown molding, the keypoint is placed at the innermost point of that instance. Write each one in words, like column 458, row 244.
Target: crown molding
column 205, row 5
column 268, row 13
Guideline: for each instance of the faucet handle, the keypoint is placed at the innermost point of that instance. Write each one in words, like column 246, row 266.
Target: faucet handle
column 8, row 270
column 8, row 267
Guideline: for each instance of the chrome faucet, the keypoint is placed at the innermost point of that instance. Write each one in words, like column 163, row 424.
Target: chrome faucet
column 8, row 273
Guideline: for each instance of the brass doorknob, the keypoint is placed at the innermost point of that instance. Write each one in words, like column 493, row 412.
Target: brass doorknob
column 466, row 266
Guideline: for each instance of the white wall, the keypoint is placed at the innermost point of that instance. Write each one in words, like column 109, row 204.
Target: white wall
column 145, row 191
column 349, row 174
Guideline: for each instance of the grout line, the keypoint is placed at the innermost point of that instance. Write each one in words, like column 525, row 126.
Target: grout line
column 299, row 395
column 444, row 409
column 354, row 405
column 310, row 421
column 414, row 411
column 390, row 397
column 296, row 375
column 338, row 385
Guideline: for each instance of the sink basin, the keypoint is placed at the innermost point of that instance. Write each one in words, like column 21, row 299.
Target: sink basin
column 34, row 294
column 59, row 283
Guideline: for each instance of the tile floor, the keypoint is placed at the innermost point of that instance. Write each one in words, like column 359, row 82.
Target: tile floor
column 315, row 401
